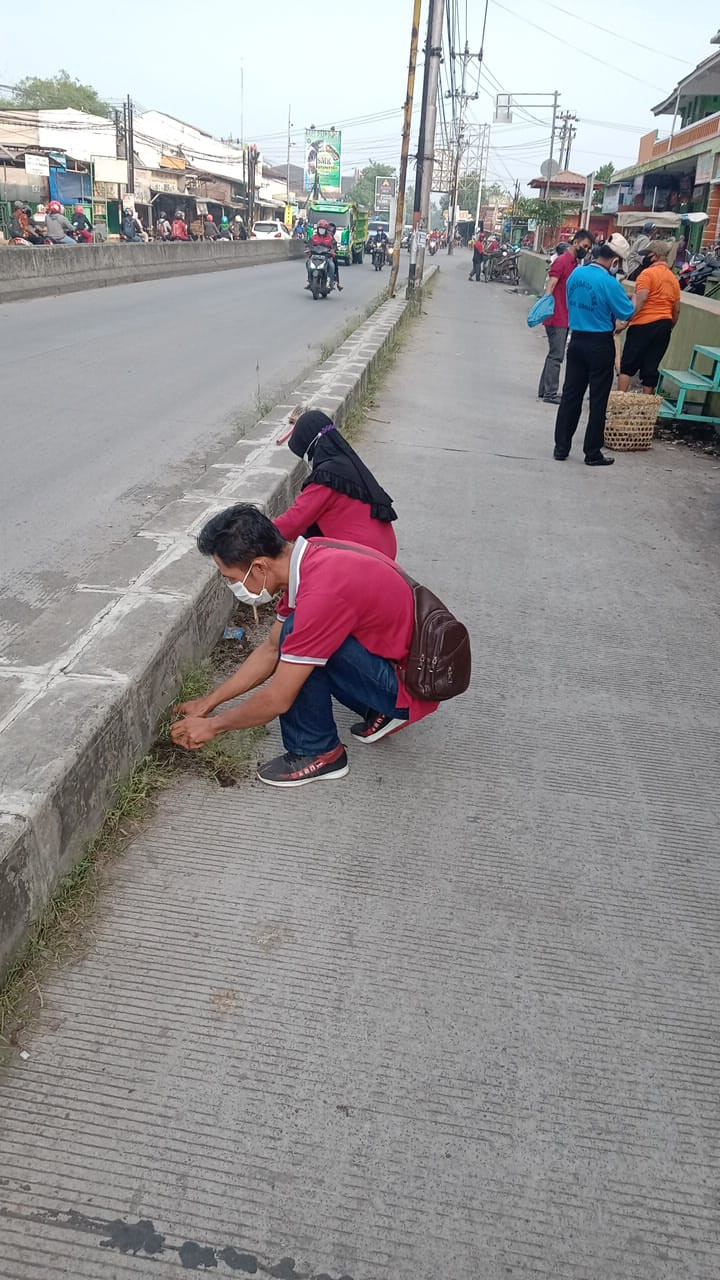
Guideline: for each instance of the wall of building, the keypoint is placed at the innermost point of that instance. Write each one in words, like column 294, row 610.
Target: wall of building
column 34, row 273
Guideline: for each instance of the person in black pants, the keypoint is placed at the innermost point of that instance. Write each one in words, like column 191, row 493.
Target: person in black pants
column 596, row 302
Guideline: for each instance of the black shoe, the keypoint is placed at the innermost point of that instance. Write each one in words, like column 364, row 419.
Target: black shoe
column 339, row 288
column 377, row 726
column 558, row 454
column 598, row 460
column 551, row 399
column 292, row 770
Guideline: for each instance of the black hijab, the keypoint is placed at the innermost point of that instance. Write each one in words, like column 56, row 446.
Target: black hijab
column 335, row 463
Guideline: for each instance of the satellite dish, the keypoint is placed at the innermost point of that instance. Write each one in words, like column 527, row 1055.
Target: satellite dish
column 549, row 168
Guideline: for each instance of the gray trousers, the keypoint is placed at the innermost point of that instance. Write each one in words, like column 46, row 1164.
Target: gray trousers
column 550, row 376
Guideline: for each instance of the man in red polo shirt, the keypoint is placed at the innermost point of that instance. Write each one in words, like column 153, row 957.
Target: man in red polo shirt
column 557, row 325
column 344, row 626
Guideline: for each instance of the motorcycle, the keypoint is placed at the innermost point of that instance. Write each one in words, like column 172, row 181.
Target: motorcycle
column 378, row 255
column 318, row 271
column 432, row 247
column 696, row 273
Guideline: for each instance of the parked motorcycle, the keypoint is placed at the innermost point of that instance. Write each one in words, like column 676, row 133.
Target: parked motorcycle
column 318, row 271
column 378, row 255
column 696, row 273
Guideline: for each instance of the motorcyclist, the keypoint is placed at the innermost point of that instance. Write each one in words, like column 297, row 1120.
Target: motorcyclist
column 82, row 226
column 211, row 231
column 59, row 230
column 336, row 261
column 322, row 239
column 380, row 241
column 179, row 226
column 163, row 230
column 131, row 225
column 21, row 228
column 225, row 233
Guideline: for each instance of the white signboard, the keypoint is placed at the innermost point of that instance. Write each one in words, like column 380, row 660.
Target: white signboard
column 107, row 169
column 37, row 164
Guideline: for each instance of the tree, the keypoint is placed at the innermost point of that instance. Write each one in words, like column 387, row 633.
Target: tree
column 33, row 94
column 605, row 172
column 363, row 193
column 551, row 213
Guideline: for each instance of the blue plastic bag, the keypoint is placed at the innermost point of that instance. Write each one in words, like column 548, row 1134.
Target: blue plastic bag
column 541, row 310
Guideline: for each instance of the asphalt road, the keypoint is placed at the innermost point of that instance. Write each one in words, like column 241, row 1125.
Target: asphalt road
column 114, row 399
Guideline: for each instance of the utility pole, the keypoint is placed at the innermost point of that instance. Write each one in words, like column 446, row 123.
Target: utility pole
column 129, row 144
column 407, row 125
column 556, row 95
column 567, row 134
column 426, row 140
column 287, row 197
column 466, row 57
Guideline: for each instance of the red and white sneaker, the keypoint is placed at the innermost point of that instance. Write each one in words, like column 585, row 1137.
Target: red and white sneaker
column 377, row 726
column 292, row 770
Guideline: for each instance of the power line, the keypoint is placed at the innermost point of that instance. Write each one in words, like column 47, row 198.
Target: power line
column 646, row 48
column 577, row 48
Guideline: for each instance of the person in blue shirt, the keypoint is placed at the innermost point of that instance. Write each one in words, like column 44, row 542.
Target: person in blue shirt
column 596, row 303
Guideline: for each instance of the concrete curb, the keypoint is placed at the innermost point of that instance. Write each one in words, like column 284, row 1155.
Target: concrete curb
column 81, row 705
column 42, row 273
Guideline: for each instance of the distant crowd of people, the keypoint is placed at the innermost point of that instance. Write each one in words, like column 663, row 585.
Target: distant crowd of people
column 50, row 225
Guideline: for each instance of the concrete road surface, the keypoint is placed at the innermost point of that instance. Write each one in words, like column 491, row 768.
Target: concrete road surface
column 114, row 399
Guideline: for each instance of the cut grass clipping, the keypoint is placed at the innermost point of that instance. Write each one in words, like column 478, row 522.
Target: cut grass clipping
column 63, row 925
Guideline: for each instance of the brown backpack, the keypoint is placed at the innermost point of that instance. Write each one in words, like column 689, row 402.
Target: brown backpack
column 438, row 664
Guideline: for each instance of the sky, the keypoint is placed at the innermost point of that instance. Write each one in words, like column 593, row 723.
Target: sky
column 238, row 67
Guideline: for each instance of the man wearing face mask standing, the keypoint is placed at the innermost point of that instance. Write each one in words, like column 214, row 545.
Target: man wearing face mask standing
column 556, row 325
column 345, row 623
column 596, row 302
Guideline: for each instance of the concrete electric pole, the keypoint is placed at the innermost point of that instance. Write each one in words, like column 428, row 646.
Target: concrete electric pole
column 426, row 140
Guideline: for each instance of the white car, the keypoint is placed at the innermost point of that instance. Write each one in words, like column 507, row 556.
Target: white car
column 271, row 230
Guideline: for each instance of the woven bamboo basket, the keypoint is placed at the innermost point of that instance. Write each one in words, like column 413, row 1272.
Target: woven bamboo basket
column 630, row 422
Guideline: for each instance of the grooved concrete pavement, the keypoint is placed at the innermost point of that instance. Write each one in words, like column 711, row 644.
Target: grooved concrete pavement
column 457, row 1015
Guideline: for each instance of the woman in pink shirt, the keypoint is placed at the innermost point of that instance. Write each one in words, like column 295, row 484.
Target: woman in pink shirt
column 341, row 498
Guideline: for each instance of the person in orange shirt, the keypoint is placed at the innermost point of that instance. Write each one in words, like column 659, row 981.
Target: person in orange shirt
column 657, row 308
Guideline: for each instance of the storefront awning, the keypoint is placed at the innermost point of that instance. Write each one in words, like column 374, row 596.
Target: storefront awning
column 639, row 219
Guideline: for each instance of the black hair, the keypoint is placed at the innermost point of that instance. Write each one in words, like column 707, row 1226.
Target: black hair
column 240, row 534
column 606, row 251
column 583, row 234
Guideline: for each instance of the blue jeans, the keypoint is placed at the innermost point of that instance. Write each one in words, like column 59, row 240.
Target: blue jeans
column 357, row 678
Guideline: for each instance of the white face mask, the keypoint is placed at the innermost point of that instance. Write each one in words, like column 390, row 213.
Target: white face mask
column 241, row 592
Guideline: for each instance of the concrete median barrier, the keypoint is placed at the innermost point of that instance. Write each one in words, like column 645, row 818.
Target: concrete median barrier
column 81, row 697
column 36, row 273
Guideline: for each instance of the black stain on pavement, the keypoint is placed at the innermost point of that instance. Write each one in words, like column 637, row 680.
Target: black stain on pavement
column 283, row 1270
column 246, row 1262
column 194, row 1255
column 133, row 1237
column 142, row 1240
